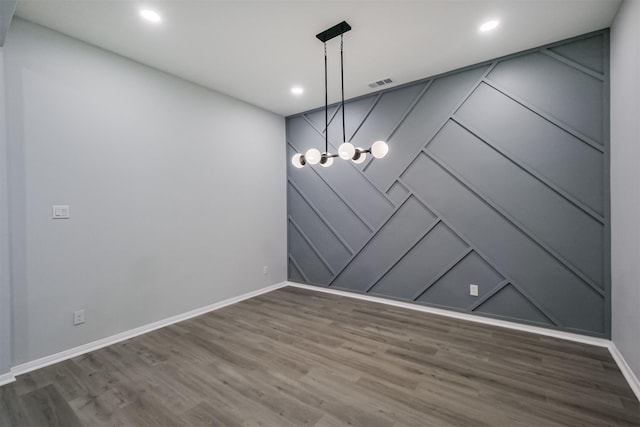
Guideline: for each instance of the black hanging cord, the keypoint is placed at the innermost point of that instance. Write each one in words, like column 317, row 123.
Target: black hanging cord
column 344, row 138
column 326, row 102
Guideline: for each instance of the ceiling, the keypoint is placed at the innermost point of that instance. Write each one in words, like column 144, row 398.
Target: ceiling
column 257, row 50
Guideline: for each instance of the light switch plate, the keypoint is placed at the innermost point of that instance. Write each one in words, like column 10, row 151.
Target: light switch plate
column 60, row 212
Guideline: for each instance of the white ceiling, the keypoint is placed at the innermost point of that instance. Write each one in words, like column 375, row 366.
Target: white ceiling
column 257, row 50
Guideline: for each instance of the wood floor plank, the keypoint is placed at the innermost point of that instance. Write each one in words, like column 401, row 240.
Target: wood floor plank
column 206, row 414
column 12, row 410
column 295, row 357
column 46, row 407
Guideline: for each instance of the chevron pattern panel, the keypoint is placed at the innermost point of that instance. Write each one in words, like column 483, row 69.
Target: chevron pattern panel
column 497, row 175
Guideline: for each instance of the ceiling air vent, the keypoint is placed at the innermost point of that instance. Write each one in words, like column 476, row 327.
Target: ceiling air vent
column 382, row 82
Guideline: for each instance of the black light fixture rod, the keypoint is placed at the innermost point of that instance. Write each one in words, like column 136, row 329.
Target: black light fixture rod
column 344, row 137
column 334, row 31
column 326, row 102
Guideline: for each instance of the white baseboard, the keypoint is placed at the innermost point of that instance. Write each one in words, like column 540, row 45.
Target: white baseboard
column 600, row 342
column 6, row 378
column 95, row 345
column 631, row 378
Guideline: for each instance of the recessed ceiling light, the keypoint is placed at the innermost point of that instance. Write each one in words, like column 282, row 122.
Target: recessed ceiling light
column 297, row 90
column 489, row 25
column 150, row 15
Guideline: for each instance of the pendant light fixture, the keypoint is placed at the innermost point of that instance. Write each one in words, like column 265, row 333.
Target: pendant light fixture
column 346, row 150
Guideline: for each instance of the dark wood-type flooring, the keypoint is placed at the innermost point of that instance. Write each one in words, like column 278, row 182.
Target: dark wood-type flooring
column 294, row 357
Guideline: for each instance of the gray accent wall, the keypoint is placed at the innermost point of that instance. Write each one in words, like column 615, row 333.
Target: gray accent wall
column 168, row 212
column 497, row 175
column 625, row 180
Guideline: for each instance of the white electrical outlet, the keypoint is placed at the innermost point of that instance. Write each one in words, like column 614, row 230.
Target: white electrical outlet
column 78, row 317
column 265, row 270
column 60, row 212
column 473, row 290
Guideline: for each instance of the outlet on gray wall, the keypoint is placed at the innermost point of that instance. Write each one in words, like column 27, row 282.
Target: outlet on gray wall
column 496, row 176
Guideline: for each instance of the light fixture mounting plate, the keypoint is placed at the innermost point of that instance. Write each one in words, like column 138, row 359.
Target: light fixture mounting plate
column 334, row 31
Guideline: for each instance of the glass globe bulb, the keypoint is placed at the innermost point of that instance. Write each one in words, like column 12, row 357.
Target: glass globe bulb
column 328, row 161
column 346, row 150
column 298, row 160
column 312, row 156
column 360, row 158
column 379, row 149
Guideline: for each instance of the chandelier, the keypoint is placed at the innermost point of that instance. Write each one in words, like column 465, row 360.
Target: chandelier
column 346, row 150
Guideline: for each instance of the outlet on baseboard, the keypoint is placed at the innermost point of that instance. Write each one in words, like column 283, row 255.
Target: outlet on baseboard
column 473, row 290
column 265, row 270
column 78, row 317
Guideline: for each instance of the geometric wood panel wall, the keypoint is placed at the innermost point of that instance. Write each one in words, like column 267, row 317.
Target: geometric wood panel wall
column 497, row 175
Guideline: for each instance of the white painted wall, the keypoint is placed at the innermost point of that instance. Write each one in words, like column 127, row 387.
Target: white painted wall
column 5, row 288
column 625, row 182
column 177, row 193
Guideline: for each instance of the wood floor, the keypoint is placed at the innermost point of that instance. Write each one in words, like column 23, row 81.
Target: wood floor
column 300, row 358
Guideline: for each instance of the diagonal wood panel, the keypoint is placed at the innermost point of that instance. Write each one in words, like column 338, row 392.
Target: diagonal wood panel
column 528, row 204
column 496, row 176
